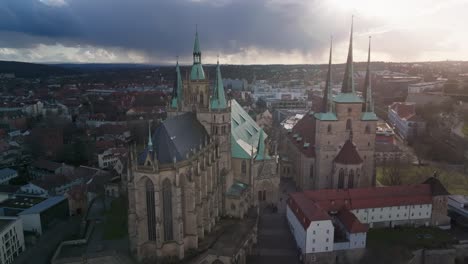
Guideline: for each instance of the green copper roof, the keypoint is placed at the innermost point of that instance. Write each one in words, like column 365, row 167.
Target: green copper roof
column 369, row 116
column 196, row 44
column 245, row 133
column 347, row 98
column 261, row 151
column 237, row 151
column 326, row 116
column 218, row 101
column 236, row 189
column 197, row 72
column 177, row 92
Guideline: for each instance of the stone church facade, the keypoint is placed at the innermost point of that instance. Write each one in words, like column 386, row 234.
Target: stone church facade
column 334, row 148
column 207, row 160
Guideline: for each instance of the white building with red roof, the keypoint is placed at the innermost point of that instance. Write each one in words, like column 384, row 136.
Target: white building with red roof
column 329, row 220
column 402, row 115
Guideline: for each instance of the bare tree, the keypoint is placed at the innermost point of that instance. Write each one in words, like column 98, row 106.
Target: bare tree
column 392, row 172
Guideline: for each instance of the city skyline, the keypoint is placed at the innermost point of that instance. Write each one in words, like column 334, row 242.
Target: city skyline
column 240, row 32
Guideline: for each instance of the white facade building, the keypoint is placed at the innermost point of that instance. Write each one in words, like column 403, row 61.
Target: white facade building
column 11, row 239
column 329, row 220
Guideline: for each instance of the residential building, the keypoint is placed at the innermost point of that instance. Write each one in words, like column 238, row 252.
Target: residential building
column 402, row 115
column 6, row 175
column 110, row 157
column 43, row 215
column 11, row 239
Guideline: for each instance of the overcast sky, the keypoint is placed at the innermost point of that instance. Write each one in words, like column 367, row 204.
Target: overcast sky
column 239, row 31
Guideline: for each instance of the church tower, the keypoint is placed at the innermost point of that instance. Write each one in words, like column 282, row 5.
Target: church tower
column 207, row 99
column 345, row 133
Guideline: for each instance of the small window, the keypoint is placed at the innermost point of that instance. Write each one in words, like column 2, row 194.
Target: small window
column 329, row 128
column 367, row 130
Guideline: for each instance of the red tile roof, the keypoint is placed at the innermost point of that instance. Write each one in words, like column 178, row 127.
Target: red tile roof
column 404, row 110
column 351, row 223
column 315, row 205
column 306, row 210
column 304, row 132
column 348, row 154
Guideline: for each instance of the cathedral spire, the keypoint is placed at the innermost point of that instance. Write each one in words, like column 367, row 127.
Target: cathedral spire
column 197, row 72
column 348, row 81
column 367, row 92
column 196, row 47
column 218, row 101
column 177, row 90
column 150, row 140
column 327, row 93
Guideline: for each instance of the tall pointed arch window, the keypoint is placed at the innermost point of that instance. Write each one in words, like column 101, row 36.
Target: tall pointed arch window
column 348, row 125
column 167, row 209
column 341, row 179
column 351, row 179
column 150, row 210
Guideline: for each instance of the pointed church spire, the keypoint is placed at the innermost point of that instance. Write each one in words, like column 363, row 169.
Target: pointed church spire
column 367, row 92
column 150, row 140
column 177, row 90
column 218, row 101
column 197, row 72
column 348, row 81
column 327, row 93
column 196, row 44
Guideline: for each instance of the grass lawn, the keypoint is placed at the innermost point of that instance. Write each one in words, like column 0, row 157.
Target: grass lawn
column 465, row 129
column 116, row 220
column 454, row 182
column 409, row 238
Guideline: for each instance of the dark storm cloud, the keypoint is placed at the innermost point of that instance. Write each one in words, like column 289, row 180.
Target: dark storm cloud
column 164, row 28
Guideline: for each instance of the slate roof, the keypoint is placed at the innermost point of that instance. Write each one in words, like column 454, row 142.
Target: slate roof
column 437, row 188
column 175, row 137
column 46, row 165
column 245, row 133
column 348, row 154
column 303, row 135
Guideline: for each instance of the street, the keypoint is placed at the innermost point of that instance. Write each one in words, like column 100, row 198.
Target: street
column 275, row 243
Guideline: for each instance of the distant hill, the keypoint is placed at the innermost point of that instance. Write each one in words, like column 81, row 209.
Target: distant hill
column 103, row 66
column 33, row 70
